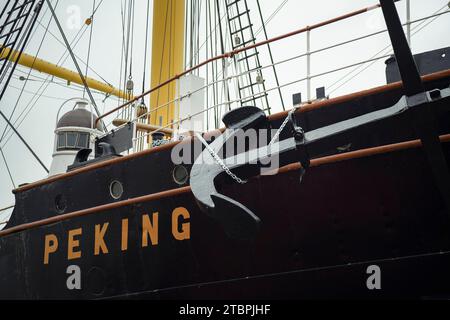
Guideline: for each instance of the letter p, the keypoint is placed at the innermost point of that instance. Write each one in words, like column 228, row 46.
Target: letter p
column 51, row 245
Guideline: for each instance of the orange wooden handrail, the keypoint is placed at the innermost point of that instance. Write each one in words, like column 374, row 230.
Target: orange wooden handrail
column 281, row 115
column 237, row 51
column 175, row 192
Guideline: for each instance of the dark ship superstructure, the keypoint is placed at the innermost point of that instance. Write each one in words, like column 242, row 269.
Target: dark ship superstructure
column 363, row 182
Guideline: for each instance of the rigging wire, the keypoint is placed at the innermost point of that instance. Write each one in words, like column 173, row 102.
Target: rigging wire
column 350, row 66
column 127, row 46
column 222, row 48
column 320, row 74
column 163, row 50
column 24, row 142
column 265, row 23
column 273, row 15
column 418, row 28
column 27, row 108
column 38, row 21
column 7, row 168
column 91, row 25
column 207, row 24
column 217, row 20
column 123, row 5
column 21, row 44
column 170, row 55
column 204, row 43
column 81, row 60
column 214, row 67
column 29, row 72
column 72, row 86
column 145, row 49
column 170, row 58
column 31, row 92
column 127, row 19
column 7, row 208
column 36, row 78
column 130, row 83
column 91, row 98
column 130, row 76
column 79, row 89
column 270, row 53
column 198, row 29
column 74, row 42
column 30, row 106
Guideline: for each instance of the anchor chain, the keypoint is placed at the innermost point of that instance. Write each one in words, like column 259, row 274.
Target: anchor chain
column 274, row 139
column 299, row 133
column 219, row 160
column 283, row 125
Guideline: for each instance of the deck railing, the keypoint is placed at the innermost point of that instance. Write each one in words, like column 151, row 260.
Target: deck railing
column 227, row 79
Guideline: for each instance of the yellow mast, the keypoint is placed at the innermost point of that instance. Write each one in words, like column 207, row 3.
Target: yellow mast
column 62, row 73
column 167, row 57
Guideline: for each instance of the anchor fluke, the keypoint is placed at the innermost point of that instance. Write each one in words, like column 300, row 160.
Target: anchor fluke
column 237, row 220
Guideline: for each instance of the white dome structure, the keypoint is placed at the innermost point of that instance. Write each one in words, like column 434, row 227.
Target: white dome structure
column 75, row 130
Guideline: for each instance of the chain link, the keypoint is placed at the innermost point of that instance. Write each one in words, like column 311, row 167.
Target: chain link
column 224, row 166
column 158, row 143
column 219, row 160
column 277, row 135
column 283, row 125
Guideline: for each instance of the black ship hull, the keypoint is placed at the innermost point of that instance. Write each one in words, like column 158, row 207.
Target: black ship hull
column 373, row 204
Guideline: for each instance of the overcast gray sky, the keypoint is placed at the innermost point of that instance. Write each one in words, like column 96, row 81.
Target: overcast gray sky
column 38, row 126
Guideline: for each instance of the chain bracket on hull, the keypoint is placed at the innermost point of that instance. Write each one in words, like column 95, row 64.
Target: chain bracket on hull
column 301, row 147
column 240, row 222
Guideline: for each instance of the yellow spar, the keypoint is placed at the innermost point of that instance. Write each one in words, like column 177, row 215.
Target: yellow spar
column 62, row 73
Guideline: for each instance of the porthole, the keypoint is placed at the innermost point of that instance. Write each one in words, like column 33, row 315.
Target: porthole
column 180, row 175
column 116, row 190
column 60, row 203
